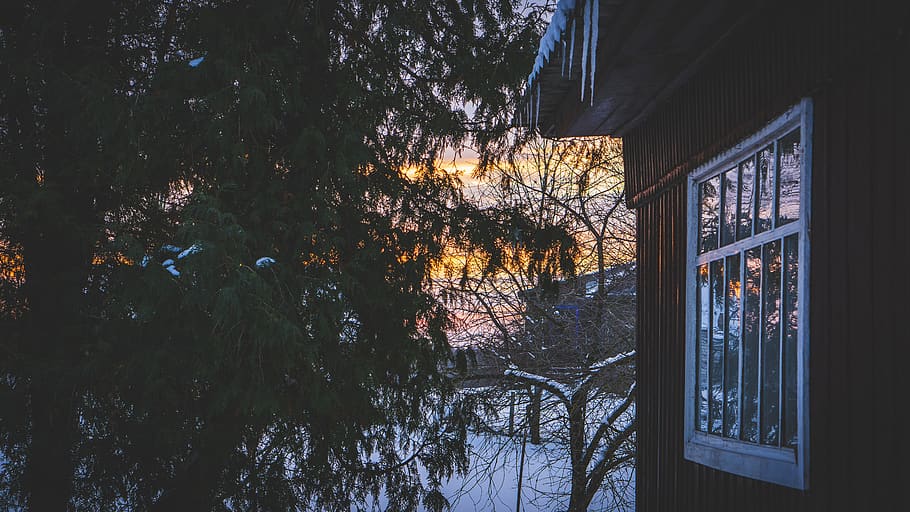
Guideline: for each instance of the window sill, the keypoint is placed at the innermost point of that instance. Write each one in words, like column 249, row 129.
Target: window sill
column 770, row 464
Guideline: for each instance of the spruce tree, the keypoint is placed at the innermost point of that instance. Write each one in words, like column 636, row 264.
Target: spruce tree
column 218, row 226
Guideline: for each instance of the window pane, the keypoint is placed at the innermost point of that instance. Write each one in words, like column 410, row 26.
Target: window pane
column 747, row 198
column 716, row 370
column 703, row 296
column 731, row 190
column 731, row 357
column 788, row 167
column 765, row 185
column 751, row 335
column 770, row 347
column 791, row 327
column 709, row 202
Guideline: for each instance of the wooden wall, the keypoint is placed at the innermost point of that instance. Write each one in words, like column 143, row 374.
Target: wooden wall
column 854, row 61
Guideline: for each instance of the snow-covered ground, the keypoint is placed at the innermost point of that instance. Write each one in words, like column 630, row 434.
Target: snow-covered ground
column 495, row 462
column 492, row 481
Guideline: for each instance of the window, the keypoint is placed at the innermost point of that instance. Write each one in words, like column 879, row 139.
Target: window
column 747, row 318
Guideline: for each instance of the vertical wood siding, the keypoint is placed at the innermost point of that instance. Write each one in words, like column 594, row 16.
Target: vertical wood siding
column 855, row 63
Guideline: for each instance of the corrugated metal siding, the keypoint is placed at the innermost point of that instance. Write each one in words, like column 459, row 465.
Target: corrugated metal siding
column 788, row 51
column 860, row 254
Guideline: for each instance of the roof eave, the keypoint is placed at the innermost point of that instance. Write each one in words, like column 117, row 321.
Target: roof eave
column 646, row 50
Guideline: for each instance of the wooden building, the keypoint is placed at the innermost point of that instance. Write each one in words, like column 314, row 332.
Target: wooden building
column 767, row 153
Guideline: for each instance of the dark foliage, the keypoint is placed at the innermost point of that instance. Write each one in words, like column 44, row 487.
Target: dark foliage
column 303, row 131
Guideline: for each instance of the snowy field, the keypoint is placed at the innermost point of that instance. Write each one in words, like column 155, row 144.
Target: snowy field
column 492, row 483
column 495, row 464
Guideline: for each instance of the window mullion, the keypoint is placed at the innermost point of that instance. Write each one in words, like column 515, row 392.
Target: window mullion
column 742, row 338
column 761, row 335
column 721, row 210
column 782, row 328
column 759, row 239
column 756, row 191
column 775, row 184
column 739, row 202
column 723, row 351
column 710, row 341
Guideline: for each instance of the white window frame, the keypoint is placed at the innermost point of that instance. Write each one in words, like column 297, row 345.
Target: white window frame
column 783, row 466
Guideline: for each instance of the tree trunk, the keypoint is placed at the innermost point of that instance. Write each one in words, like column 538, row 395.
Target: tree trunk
column 55, row 268
column 511, row 414
column 601, row 295
column 48, row 480
column 577, row 501
column 196, row 482
column 57, row 231
column 534, row 414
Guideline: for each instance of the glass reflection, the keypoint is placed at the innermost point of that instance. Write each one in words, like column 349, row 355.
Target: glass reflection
column 751, row 336
column 770, row 346
column 791, row 327
column 731, row 356
column 731, row 188
column 747, row 198
column 702, row 295
column 716, row 370
column 765, row 185
column 789, row 151
column 709, row 202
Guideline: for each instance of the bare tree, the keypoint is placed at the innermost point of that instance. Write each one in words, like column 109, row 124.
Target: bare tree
column 558, row 324
column 572, row 187
column 600, row 439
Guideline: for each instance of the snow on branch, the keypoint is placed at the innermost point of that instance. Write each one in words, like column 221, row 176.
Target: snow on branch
column 265, row 262
column 609, row 423
column 621, row 408
column 618, row 358
column 597, row 367
column 558, row 389
column 566, row 392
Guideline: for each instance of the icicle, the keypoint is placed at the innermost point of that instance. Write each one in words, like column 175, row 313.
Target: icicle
column 594, row 25
column 572, row 48
column 555, row 34
column 537, row 110
column 531, row 109
column 530, row 97
column 562, row 68
column 586, row 39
